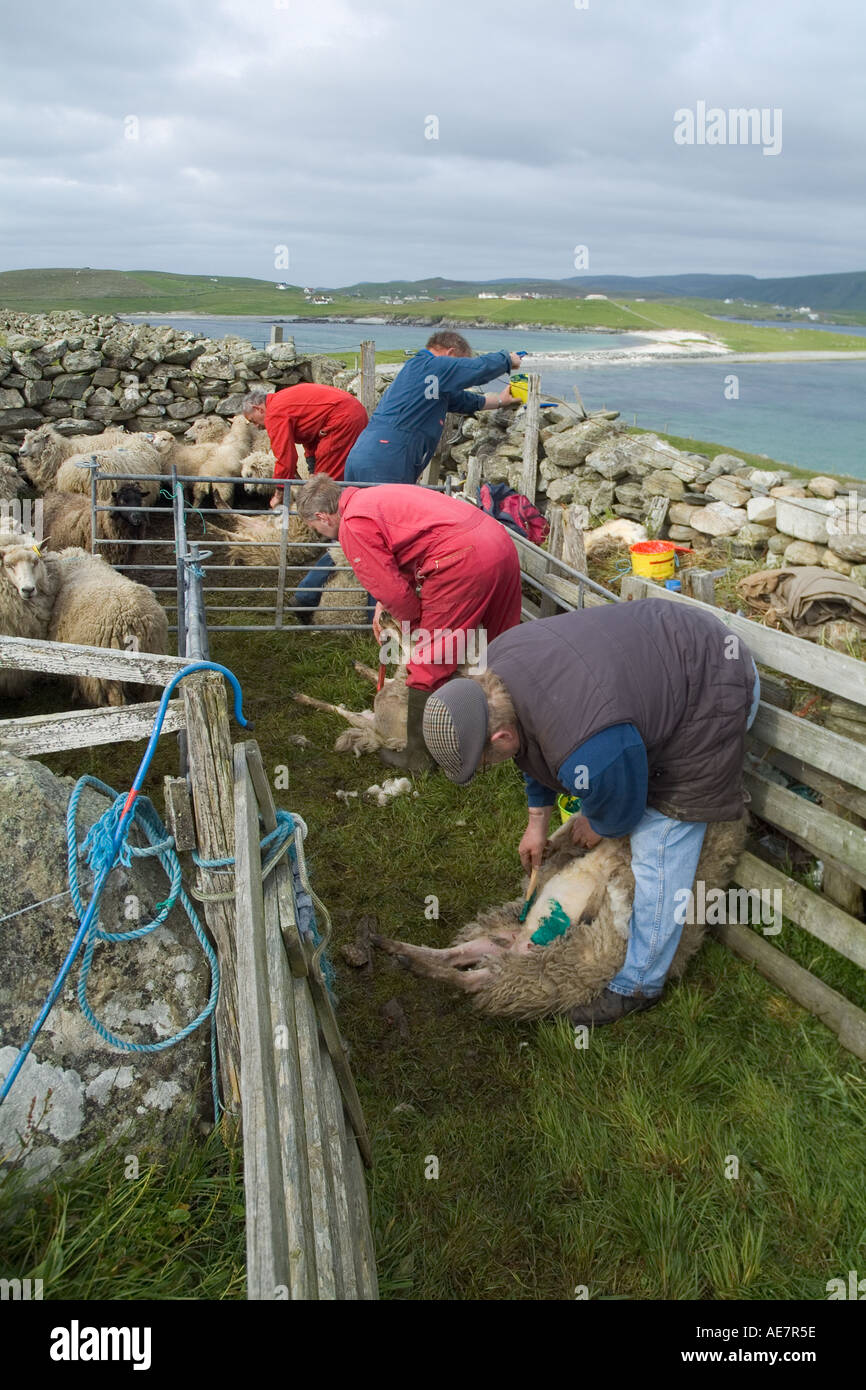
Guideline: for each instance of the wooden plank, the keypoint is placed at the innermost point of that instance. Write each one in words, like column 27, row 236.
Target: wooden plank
column 359, row 1208
column 555, row 541
column 327, row 1271
column 656, row 515
column 838, row 1013
column 178, row 812
column 267, row 1245
column 529, row 476
column 699, row 584
column 212, row 782
column 840, row 888
column 534, row 566
column 473, row 477
column 67, row 659
column 775, row 692
column 826, row 835
column 368, row 375
column 846, row 796
column 817, row 666
column 289, row 1110
column 831, row 753
column 573, row 547
column 333, row 1129
column 88, row 728
column 282, row 872
column 809, row 910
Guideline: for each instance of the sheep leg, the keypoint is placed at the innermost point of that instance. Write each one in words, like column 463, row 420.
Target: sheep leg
column 453, row 965
column 366, row 671
column 358, row 721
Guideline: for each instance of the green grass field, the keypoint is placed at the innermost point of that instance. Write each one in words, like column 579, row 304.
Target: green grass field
column 558, row 1168
column 128, row 292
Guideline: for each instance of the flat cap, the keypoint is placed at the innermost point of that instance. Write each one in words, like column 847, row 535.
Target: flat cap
column 455, row 728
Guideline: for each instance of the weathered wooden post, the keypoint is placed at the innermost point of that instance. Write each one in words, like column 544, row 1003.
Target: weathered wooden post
column 212, row 784
column 368, row 375
column 276, row 333
column 473, row 477
column 529, row 477
column 450, row 432
column 555, row 540
column 573, row 547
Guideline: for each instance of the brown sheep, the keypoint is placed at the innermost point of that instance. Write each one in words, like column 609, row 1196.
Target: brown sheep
column 492, row 959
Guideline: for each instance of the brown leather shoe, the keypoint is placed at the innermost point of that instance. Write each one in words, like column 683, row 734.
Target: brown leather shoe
column 610, row 1008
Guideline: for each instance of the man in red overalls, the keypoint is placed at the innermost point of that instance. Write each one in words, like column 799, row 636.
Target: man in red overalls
column 322, row 419
column 437, row 563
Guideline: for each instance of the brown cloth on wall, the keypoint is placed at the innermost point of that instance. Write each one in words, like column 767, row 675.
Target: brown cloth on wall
column 802, row 599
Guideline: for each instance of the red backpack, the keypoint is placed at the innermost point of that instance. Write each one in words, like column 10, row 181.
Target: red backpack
column 513, row 510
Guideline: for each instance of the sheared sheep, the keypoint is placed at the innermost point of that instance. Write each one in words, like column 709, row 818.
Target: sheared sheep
column 45, row 449
column 493, row 959
column 66, row 518
column 138, row 455
column 383, row 726
column 221, row 459
column 343, row 600
column 28, row 586
column 256, row 540
column 97, row 607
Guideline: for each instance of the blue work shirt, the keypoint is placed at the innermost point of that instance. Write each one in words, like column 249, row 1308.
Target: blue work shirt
column 610, row 774
column 406, row 425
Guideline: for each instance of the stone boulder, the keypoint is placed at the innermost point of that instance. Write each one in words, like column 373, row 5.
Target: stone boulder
column 724, row 488
column 718, row 519
column 762, row 510
column 803, row 553
column 569, row 447
column 823, row 487
column 75, row 1088
column 804, row 520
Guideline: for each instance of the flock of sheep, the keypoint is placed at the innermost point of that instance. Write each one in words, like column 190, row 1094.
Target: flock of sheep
column 53, row 588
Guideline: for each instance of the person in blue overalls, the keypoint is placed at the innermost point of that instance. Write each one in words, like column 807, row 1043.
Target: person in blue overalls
column 407, row 424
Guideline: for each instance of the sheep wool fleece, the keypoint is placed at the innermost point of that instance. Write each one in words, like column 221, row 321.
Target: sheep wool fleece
column 435, row 562
column 324, row 420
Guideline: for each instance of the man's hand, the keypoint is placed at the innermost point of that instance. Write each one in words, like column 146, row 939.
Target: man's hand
column 516, row 359
column 582, row 832
column 506, row 398
column 531, row 847
column 377, row 621
column 277, row 497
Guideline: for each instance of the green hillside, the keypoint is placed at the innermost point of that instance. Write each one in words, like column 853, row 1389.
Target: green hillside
column 146, row 291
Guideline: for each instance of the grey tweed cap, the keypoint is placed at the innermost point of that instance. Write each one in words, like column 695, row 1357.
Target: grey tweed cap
column 455, row 728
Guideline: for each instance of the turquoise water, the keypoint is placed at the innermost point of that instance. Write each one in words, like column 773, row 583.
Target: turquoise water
column 806, row 413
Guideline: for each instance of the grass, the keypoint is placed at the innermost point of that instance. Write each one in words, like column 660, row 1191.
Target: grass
column 558, row 1168
column 128, row 292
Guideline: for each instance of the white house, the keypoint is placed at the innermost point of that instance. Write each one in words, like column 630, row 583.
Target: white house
column 596, row 296
column 489, row 296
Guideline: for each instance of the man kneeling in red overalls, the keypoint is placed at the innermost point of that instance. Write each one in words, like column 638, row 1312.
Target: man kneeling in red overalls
column 435, row 562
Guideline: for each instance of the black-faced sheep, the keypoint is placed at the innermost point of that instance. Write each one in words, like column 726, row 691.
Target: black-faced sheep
column 45, row 449
column 493, row 959
column 138, row 455
column 97, row 607
column 66, row 519
column 221, row 459
column 28, row 586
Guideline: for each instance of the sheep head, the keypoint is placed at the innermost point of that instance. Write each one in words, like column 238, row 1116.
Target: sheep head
column 23, row 566
column 36, row 441
column 129, row 496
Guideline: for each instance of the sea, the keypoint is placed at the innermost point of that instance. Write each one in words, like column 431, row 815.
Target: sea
column 808, row 414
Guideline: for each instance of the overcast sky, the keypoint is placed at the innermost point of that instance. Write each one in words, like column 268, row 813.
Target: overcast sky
column 303, row 123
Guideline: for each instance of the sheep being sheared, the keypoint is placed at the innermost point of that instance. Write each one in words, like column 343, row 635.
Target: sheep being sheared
column 255, row 540
column 383, row 726
column 28, row 585
column 67, row 520
column 97, row 607
column 45, row 449
column 493, row 959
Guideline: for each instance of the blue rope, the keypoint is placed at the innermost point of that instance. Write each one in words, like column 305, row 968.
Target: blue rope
column 106, row 856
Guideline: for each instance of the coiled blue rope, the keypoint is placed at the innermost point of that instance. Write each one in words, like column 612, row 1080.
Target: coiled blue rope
column 108, row 849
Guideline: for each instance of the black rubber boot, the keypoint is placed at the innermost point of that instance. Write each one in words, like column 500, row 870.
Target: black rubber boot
column 610, row 1008
column 414, row 757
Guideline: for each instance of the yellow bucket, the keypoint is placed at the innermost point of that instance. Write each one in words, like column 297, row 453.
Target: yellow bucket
column 518, row 384
column 567, row 806
column 653, row 559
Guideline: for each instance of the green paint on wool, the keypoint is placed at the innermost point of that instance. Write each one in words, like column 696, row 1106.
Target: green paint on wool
column 549, row 928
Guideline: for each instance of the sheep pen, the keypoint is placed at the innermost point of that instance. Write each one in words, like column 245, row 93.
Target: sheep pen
column 67, row 521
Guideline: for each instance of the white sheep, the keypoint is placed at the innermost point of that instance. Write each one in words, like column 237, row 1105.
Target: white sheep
column 97, row 607
column 28, row 586
column 45, row 449
column 138, row 455
column 256, row 540
column 259, row 464
column 221, row 458
column 207, row 429
column 383, row 726
column 612, row 534
column 344, row 600
column 66, row 517
column 11, row 482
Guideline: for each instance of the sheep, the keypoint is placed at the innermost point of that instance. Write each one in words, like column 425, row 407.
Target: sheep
column 259, row 464
column 45, row 449
column 222, row 459
column 97, row 607
column 383, row 726
column 67, row 519
column 28, row 587
column 140, row 454
column 11, row 482
column 255, row 540
column 207, row 429
column 344, row 600
column 492, row 958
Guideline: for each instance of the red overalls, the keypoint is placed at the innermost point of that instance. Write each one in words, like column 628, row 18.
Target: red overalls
column 322, row 419
column 463, row 564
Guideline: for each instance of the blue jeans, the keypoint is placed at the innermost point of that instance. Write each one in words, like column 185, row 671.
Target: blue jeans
column 664, row 859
